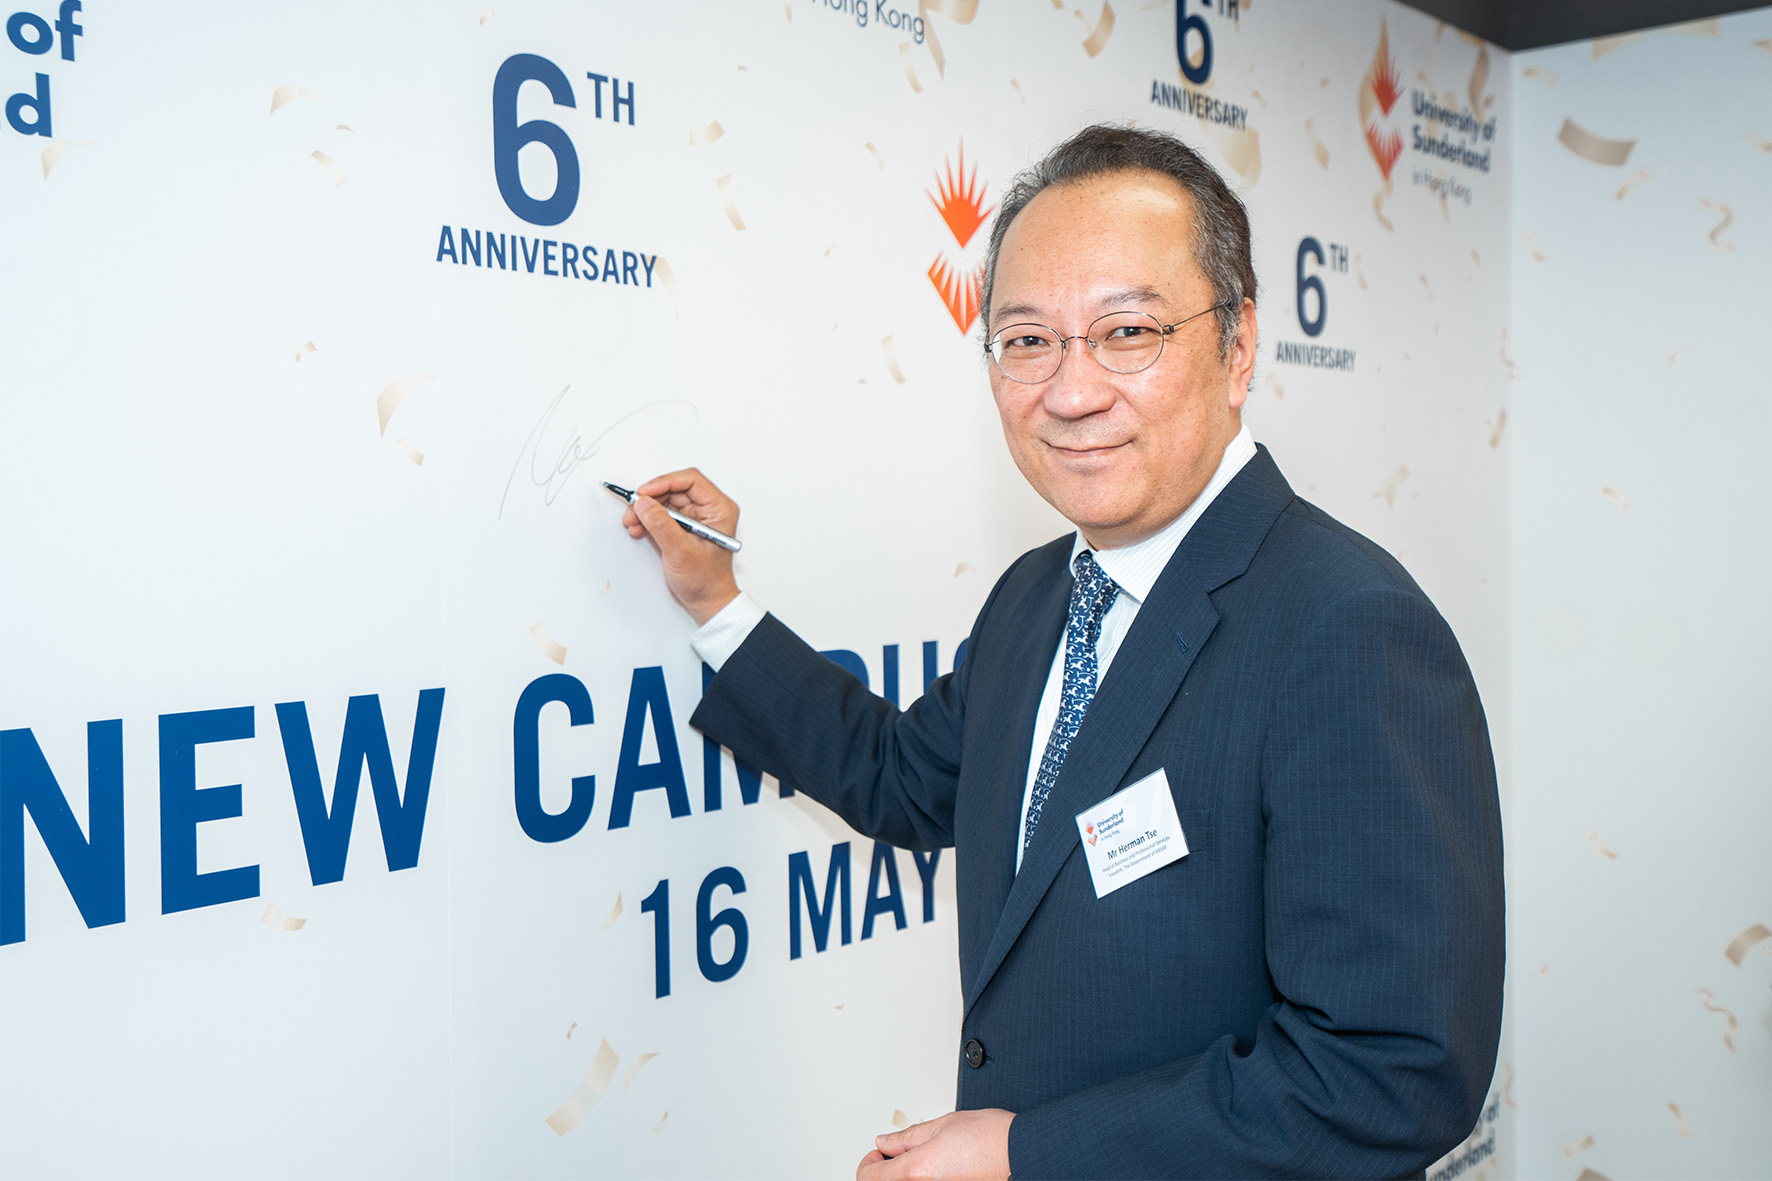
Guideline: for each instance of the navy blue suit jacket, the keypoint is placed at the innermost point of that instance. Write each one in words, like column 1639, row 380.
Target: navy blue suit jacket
column 1315, row 989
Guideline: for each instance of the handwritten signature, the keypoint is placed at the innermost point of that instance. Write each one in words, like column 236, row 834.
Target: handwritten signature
column 551, row 474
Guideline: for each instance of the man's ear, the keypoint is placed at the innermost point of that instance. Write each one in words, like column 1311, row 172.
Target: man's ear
column 1240, row 365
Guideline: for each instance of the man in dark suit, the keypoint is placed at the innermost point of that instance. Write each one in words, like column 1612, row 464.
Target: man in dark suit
column 1300, row 973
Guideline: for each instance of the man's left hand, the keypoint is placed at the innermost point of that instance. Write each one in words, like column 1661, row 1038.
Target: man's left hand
column 961, row 1144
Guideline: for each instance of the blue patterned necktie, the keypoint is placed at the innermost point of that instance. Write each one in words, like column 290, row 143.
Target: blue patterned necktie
column 1091, row 596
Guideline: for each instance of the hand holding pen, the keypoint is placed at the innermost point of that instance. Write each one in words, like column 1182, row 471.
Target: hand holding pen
column 691, row 522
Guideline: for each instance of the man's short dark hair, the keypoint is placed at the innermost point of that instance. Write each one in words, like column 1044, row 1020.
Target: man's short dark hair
column 1221, row 230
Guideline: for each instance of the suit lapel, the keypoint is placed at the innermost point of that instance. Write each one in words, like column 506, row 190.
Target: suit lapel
column 998, row 749
column 1171, row 628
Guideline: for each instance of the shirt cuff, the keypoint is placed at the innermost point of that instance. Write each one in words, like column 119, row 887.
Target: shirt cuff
column 721, row 636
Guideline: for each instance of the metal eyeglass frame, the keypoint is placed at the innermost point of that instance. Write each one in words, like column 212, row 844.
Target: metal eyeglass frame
column 1064, row 342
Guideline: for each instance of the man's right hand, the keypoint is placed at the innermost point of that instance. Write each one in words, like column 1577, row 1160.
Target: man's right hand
column 698, row 572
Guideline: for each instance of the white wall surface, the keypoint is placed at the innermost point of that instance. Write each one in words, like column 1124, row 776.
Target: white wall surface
column 1641, row 557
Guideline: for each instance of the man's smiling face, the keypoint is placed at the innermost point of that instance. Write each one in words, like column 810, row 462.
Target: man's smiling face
column 1119, row 455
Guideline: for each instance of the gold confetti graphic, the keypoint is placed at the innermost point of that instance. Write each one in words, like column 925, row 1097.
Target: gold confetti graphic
column 891, row 351
column 1478, row 88
column 961, row 12
column 667, row 277
column 1764, row 45
column 910, row 71
column 788, row 10
column 276, row 920
column 1543, row 970
column 411, row 452
column 307, row 347
column 702, row 137
column 1427, row 287
column 1585, row 1144
column 1360, row 272
column 1104, row 28
column 1378, row 207
column 1753, row 137
column 1595, row 148
column 1548, row 77
column 1682, row 1129
column 659, row 1126
column 724, row 184
column 332, row 169
column 487, row 15
column 55, row 153
column 1317, row 148
column 1632, row 181
column 1599, row 47
column 1531, row 241
column 343, row 127
column 1500, row 428
column 1389, row 488
column 1730, row 1025
column 1507, row 1089
column 1623, row 502
column 1728, row 219
column 556, row 652
column 1279, row 390
column 1744, row 943
column 879, row 160
column 394, row 393
column 1593, row 838
column 1675, row 355
column 615, row 911
column 900, row 1119
column 572, row 1112
column 1477, row 259
column 570, row 1028
column 627, row 1081
column 1710, row 26
column 1019, row 92
column 284, row 95
column 963, row 567
column 1592, row 1175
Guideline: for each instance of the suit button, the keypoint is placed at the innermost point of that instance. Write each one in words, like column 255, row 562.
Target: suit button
column 974, row 1053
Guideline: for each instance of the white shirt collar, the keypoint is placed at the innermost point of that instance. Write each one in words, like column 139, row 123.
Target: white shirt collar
column 1136, row 567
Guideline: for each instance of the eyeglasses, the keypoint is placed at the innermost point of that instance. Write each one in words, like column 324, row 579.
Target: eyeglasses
column 1123, row 342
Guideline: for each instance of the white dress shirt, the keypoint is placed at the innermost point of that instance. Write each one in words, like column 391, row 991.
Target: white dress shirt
column 1135, row 568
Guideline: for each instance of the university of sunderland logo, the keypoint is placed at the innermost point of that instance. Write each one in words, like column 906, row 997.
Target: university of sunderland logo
column 959, row 199
column 1379, row 91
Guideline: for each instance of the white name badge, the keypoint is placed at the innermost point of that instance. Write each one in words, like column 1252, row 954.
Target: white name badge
column 1131, row 833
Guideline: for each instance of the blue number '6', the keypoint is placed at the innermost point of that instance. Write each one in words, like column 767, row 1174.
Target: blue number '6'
column 1196, row 23
column 1310, row 247
column 706, row 924
column 509, row 138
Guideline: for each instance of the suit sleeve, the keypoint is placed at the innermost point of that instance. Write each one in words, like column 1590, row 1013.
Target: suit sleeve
column 1383, row 935
column 889, row 773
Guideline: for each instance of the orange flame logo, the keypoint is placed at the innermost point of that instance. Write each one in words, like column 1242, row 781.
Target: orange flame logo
column 1386, row 147
column 1385, row 86
column 1379, row 91
column 961, row 291
column 961, row 203
column 959, row 199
